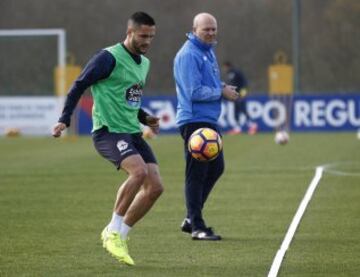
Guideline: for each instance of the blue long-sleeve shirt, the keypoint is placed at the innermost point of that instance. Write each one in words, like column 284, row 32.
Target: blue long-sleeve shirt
column 98, row 68
column 198, row 84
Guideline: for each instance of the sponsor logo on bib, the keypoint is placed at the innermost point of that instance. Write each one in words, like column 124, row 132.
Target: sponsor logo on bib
column 133, row 95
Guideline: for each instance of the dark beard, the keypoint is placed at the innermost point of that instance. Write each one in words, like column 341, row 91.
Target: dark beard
column 137, row 49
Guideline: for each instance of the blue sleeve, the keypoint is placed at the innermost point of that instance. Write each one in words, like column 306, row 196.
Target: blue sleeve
column 189, row 77
column 99, row 67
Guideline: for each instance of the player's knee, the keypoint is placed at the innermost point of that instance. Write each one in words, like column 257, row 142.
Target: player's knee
column 155, row 191
column 140, row 173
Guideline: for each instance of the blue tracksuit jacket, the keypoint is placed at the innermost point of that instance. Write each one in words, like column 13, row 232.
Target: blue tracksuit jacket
column 198, row 84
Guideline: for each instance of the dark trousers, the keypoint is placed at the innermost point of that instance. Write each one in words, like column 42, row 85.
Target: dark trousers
column 200, row 177
column 241, row 108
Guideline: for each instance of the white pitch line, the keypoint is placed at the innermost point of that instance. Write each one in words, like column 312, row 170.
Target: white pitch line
column 295, row 222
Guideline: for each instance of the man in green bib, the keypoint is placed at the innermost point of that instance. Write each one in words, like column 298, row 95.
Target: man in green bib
column 117, row 75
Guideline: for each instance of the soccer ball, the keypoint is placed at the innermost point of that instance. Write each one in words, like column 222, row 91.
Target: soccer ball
column 281, row 137
column 205, row 144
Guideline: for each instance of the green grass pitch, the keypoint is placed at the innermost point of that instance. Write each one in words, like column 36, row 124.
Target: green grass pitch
column 57, row 195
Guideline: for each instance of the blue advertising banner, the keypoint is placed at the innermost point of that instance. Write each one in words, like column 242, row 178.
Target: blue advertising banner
column 326, row 113
column 298, row 113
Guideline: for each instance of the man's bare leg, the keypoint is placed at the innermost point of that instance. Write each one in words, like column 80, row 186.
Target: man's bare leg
column 137, row 170
column 146, row 196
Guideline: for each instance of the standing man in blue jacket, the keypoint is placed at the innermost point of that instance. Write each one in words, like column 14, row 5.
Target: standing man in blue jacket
column 199, row 93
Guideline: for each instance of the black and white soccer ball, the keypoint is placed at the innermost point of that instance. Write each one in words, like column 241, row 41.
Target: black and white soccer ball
column 281, row 137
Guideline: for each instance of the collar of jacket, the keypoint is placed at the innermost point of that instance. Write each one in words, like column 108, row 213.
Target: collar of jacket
column 197, row 42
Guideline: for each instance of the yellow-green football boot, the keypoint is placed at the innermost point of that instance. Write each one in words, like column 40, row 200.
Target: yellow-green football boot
column 104, row 234
column 116, row 246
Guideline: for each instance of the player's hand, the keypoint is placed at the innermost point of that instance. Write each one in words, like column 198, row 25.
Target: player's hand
column 58, row 128
column 230, row 93
column 153, row 123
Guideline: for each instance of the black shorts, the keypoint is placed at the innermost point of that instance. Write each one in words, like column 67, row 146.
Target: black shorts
column 115, row 147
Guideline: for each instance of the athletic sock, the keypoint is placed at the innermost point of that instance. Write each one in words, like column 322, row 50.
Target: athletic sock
column 115, row 223
column 124, row 230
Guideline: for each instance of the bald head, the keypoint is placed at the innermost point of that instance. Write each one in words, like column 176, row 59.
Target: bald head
column 205, row 27
column 203, row 18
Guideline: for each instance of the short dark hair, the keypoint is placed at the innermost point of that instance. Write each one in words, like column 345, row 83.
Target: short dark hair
column 142, row 18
